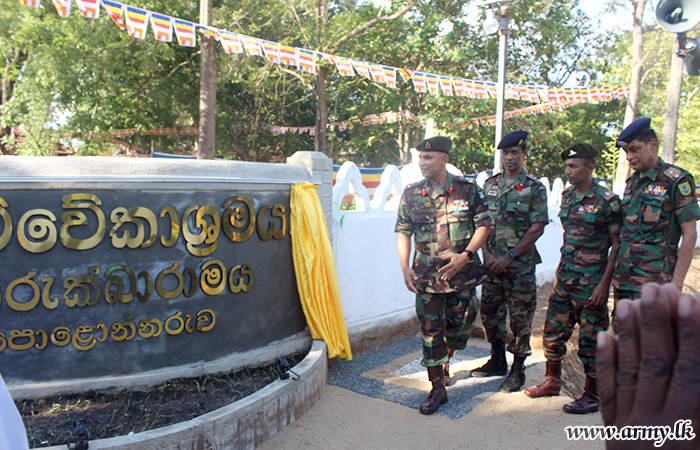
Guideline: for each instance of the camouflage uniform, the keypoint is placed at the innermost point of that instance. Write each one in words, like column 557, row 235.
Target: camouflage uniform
column 514, row 208
column 654, row 206
column 588, row 224
column 443, row 223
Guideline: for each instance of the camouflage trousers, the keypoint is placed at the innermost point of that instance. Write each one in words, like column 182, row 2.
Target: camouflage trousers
column 622, row 294
column 514, row 292
column 567, row 307
column 446, row 322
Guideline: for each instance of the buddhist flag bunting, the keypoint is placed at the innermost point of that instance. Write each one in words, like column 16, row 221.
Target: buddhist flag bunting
column 209, row 31
column 62, row 7
column 390, row 76
column 405, row 74
column 136, row 21
column 460, row 88
column 251, row 45
column 511, row 92
column 377, row 72
column 361, row 68
column 446, row 85
column 230, row 42
column 32, row 3
column 307, row 61
column 480, row 90
column 344, row 67
column 543, row 93
column 162, row 27
column 272, row 51
column 492, row 89
column 89, row 8
column 419, row 82
column 288, row 55
column 114, row 10
column 432, row 82
column 184, row 31
column 532, row 92
column 471, row 89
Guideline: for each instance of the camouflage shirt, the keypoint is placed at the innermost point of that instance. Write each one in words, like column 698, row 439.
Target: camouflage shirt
column 653, row 207
column 442, row 223
column 588, row 224
column 514, row 208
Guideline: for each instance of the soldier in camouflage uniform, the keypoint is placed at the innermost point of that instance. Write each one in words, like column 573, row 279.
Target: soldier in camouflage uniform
column 518, row 204
column 449, row 220
column 591, row 217
column 659, row 206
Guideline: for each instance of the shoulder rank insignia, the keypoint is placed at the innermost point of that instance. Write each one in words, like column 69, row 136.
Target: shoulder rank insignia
column 615, row 205
column 684, row 189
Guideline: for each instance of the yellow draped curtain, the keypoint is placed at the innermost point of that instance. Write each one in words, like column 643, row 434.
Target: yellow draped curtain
column 314, row 266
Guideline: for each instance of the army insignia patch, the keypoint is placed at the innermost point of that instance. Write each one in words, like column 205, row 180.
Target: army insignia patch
column 427, row 144
column 653, row 189
column 615, row 205
column 684, row 189
column 457, row 205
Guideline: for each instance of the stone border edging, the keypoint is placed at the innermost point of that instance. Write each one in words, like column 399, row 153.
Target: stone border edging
column 244, row 424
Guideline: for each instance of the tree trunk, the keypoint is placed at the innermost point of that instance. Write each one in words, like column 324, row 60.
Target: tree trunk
column 673, row 99
column 623, row 166
column 207, row 89
column 321, row 141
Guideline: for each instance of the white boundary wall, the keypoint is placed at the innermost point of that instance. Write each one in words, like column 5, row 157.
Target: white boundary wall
column 371, row 284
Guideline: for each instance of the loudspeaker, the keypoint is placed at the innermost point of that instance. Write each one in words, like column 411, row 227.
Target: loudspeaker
column 677, row 16
column 692, row 59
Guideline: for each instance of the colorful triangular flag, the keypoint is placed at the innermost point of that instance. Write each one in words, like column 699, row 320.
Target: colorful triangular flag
column 89, row 8
column 361, row 68
column 32, row 3
column 184, row 31
column 114, row 10
column 390, row 76
column 418, row 79
column 136, row 21
column 272, row 51
column 446, row 85
column 251, row 45
column 230, row 42
column 62, row 7
column 432, row 81
column 344, row 67
column 209, row 31
column 162, row 27
column 307, row 60
column 377, row 72
column 288, row 55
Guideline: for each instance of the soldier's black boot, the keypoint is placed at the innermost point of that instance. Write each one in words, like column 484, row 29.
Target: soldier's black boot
column 438, row 395
column 588, row 402
column 516, row 378
column 497, row 365
column 446, row 366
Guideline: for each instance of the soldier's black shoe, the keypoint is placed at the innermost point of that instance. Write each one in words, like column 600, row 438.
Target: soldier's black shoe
column 516, row 377
column 497, row 365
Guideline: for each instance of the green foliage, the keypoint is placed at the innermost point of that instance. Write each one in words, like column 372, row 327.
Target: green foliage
column 87, row 77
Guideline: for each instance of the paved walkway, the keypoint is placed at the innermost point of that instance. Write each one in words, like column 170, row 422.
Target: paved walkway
column 371, row 403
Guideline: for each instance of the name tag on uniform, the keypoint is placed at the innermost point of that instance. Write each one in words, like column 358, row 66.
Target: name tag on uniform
column 588, row 209
column 492, row 192
column 457, row 205
column 655, row 190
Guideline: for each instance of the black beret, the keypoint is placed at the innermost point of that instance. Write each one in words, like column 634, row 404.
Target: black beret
column 514, row 139
column 435, row 144
column 633, row 131
column 579, row 150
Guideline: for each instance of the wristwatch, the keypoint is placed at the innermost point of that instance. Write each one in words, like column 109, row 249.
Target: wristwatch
column 470, row 254
column 512, row 253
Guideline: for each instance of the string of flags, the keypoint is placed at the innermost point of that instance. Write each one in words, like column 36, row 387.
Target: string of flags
column 135, row 22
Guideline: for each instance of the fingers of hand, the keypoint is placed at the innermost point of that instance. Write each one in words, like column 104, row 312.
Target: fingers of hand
column 627, row 356
column 658, row 350
column 684, row 389
column 606, row 368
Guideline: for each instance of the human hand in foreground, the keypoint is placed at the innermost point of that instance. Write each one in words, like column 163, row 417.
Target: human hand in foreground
column 649, row 373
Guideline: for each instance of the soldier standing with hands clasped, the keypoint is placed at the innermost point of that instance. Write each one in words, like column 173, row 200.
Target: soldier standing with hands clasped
column 591, row 217
column 659, row 206
column 449, row 220
column 518, row 204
